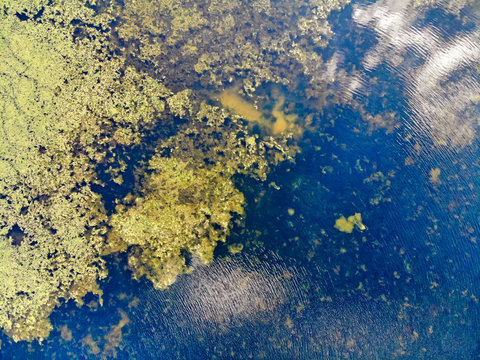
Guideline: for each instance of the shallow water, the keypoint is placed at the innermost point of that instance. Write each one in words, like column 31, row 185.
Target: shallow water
column 406, row 287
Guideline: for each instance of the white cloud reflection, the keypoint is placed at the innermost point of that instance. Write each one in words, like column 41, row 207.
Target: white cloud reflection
column 438, row 69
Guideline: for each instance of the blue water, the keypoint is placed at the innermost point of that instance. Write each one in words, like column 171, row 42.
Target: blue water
column 407, row 287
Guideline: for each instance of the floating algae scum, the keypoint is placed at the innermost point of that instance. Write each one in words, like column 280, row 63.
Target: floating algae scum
column 239, row 179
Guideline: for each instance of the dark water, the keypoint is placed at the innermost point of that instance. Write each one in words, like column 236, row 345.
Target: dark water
column 406, row 287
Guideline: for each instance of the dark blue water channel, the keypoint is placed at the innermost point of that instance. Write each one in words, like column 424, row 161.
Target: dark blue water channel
column 407, row 287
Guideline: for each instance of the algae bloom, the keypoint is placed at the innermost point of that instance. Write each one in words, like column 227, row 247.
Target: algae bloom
column 347, row 224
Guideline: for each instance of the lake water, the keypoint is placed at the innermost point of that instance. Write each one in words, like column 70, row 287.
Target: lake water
column 407, row 286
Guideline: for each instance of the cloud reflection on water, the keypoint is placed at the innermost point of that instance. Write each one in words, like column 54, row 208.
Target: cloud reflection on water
column 261, row 306
column 441, row 83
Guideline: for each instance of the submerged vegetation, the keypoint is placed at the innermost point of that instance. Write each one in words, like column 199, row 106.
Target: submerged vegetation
column 169, row 103
column 86, row 84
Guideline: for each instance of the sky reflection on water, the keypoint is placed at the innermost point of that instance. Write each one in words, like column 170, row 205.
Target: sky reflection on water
column 437, row 66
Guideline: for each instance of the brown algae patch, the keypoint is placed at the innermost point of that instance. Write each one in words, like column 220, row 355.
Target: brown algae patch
column 435, row 176
column 90, row 344
column 66, row 333
column 114, row 337
column 275, row 122
column 282, row 120
column 231, row 100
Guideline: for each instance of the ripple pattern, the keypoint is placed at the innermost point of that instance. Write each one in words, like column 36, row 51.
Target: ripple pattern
column 441, row 81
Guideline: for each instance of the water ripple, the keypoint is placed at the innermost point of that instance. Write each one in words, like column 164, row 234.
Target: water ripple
column 262, row 307
column 440, row 85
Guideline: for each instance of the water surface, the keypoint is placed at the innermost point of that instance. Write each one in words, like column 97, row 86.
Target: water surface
column 405, row 287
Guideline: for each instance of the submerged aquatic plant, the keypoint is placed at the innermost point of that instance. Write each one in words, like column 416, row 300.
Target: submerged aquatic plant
column 65, row 106
column 82, row 85
column 183, row 208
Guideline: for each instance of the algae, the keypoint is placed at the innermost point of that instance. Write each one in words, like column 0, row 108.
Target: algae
column 347, row 224
column 282, row 120
column 182, row 209
column 258, row 115
column 83, row 85
column 64, row 105
column 188, row 199
column 236, row 104
column 435, row 176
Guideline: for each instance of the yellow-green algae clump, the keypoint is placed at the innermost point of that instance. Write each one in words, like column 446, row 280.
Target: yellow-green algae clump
column 347, row 224
column 63, row 106
column 188, row 198
column 183, row 209
column 78, row 92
